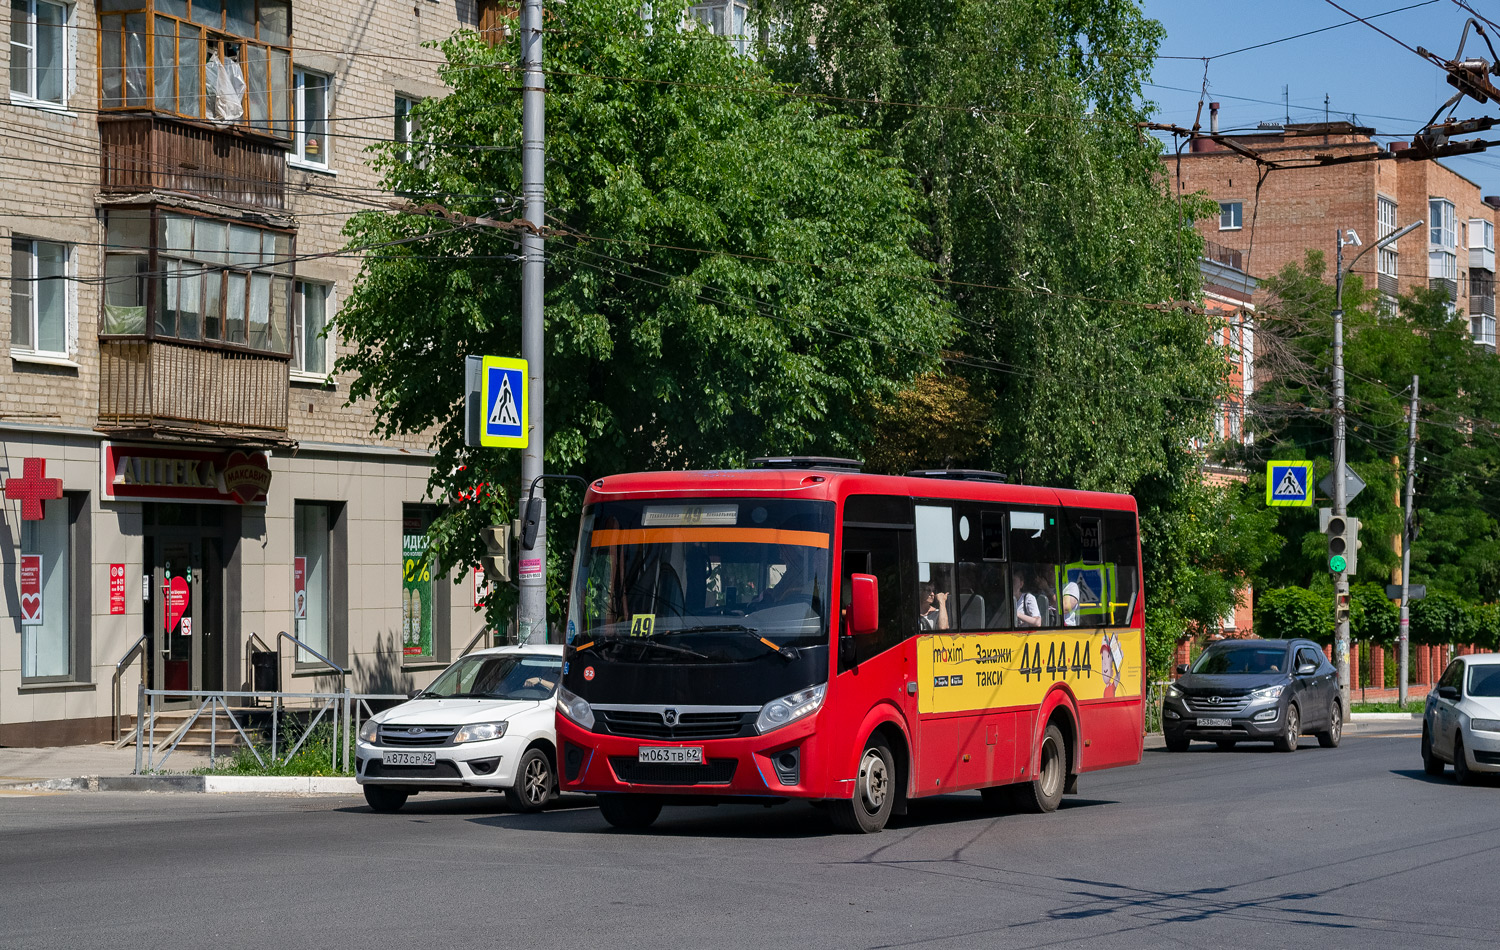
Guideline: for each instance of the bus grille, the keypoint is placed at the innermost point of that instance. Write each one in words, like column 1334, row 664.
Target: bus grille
column 712, row 772
column 690, row 725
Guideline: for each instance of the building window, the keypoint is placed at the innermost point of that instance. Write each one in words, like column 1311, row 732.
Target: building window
column 1443, row 265
column 1442, row 225
column 309, row 347
column 1385, row 210
column 408, row 126
column 228, row 62
column 1481, row 234
column 727, row 19
column 218, row 282
column 1483, row 328
column 1231, row 215
column 39, row 51
column 312, row 118
column 424, row 622
column 40, row 298
column 310, row 571
column 46, row 572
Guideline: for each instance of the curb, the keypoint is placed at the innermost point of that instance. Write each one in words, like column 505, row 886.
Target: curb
column 280, row 785
column 1384, row 717
column 212, row 784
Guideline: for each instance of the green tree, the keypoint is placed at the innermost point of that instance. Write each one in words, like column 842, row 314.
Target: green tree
column 730, row 273
column 1047, row 210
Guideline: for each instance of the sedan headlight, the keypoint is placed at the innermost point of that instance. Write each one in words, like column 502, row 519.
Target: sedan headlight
column 575, row 707
column 369, row 732
column 479, row 732
column 1270, row 692
column 788, row 709
column 1485, row 725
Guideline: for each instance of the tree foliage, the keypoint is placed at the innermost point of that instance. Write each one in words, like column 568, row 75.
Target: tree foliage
column 730, row 273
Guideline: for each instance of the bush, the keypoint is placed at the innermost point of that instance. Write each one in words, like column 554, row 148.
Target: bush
column 317, row 756
column 1288, row 612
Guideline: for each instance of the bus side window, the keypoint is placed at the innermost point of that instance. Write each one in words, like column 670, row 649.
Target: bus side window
column 935, row 569
column 984, row 601
column 1032, row 544
column 1120, row 549
column 881, row 552
column 1085, row 583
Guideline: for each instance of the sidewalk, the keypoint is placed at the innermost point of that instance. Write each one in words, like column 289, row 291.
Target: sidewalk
column 105, row 768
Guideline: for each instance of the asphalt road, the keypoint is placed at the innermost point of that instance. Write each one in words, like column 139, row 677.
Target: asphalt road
column 1352, row 847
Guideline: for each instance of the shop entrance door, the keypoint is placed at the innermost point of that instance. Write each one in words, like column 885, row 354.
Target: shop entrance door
column 186, row 620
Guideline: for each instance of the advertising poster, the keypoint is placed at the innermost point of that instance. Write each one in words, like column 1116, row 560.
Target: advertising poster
column 299, row 588
column 416, row 596
column 31, row 590
column 117, row 588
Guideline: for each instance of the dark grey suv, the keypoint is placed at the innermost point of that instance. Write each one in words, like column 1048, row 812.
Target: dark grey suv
column 1254, row 690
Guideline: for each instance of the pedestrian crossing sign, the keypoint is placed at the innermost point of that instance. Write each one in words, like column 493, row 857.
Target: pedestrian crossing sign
column 503, row 398
column 1289, row 484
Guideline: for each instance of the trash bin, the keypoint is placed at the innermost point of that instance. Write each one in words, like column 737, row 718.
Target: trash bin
column 266, row 674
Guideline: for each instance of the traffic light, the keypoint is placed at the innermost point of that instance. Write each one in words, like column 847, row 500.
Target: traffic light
column 1341, row 608
column 1343, row 544
column 496, row 562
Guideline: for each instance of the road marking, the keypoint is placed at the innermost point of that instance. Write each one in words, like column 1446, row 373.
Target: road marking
column 25, row 793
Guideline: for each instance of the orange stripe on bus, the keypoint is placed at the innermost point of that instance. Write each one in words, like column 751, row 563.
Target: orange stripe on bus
column 610, row 537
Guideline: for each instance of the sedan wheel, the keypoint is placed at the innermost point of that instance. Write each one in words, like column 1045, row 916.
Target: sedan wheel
column 1461, row 770
column 1287, row 741
column 1431, row 764
column 533, row 782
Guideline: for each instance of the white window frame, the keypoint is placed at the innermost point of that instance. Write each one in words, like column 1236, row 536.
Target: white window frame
column 1442, row 264
column 1481, row 234
column 33, row 352
column 1442, row 225
column 1385, row 213
column 312, row 523
column 299, row 369
column 703, row 13
column 1234, row 211
column 406, row 128
column 28, row 96
column 298, row 155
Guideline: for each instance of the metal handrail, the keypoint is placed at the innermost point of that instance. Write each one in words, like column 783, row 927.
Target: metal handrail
column 249, row 648
column 481, row 633
column 283, row 635
column 130, row 654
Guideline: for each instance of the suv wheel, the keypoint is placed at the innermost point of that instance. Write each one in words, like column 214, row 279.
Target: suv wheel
column 1287, row 741
column 1177, row 743
column 1329, row 738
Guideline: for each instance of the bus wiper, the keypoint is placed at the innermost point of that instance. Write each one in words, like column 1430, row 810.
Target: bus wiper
column 789, row 652
column 671, row 649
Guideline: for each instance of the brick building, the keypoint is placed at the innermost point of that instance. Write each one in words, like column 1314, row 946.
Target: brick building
column 1301, row 209
column 175, row 168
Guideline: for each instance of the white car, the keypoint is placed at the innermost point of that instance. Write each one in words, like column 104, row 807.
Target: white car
column 1461, row 723
column 485, row 723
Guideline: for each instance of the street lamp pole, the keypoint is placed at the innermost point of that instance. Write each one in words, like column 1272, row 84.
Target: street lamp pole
column 1340, row 465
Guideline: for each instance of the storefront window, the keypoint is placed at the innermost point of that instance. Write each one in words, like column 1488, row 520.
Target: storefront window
column 310, row 568
column 46, row 614
column 418, row 587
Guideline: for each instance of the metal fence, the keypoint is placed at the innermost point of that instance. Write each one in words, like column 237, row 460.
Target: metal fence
column 1155, row 693
column 292, row 719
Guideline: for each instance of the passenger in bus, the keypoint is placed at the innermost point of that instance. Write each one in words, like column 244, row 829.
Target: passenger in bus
column 796, row 584
column 1071, row 595
column 1028, row 612
column 933, row 614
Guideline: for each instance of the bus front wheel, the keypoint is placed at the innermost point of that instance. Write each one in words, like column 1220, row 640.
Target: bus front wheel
column 874, row 792
column 1043, row 793
column 630, row 812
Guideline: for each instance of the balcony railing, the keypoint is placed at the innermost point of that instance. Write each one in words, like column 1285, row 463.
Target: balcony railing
column 160, row 384
column 1482, row 304
column 1229, row 257
column 142, row 152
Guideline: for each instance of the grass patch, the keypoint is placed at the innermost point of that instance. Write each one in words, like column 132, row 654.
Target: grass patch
column 1412, row 705
column 316, row 757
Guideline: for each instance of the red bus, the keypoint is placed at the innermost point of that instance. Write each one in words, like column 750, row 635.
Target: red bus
column 805, row 630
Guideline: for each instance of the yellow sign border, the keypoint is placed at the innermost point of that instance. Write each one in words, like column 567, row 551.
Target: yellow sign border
column 497, row 441
column 1305, row 502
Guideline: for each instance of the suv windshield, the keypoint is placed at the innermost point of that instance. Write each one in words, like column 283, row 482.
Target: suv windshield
column 1241, row 658
column 1484, row 680
column 498, row 676
column 702, row 580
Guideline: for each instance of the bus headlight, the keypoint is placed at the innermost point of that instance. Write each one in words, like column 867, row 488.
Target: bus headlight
column 788, row 709
column 576, row 708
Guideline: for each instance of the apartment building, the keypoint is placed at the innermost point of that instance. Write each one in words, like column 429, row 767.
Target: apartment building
column 180, row 470
column 1275, row 220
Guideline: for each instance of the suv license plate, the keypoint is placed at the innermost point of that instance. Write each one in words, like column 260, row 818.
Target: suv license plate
column 409, row 758
column 1213, row 723
column 677, row 755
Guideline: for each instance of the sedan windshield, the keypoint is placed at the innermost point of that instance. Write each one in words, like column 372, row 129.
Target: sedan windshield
column 1484, row 680
column 497, row 676
column 1220, row 659
column 705, row 581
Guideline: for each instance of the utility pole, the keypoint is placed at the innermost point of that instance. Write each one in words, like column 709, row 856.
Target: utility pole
column 1406, row 539
column 531, row 608
column 1340, row 507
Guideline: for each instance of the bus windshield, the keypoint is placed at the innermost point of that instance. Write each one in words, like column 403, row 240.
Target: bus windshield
column 702, row 581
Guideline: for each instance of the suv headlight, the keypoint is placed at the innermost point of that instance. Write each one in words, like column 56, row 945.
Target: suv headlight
column 1270, row 692
column 1174, row 693
column 1485, row 725
column 370, row 732
column 479, row 732
column 788, row 709
column 575, row 707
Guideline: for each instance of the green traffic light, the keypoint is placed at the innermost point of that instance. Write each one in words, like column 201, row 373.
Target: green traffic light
column 1337, row 564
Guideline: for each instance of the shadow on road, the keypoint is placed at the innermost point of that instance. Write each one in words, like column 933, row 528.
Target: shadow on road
column 1446, row 778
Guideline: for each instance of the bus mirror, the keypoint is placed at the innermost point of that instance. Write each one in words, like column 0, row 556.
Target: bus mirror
column 864, row 604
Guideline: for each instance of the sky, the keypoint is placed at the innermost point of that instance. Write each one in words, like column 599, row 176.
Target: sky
column 1365, row 76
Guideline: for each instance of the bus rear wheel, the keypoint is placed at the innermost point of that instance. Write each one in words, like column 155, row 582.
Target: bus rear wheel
column 1045, row 792
column 874, row 792
column 630, row 812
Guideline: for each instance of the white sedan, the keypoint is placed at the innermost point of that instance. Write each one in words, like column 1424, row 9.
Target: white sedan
column 486, row 723
column 1461, row 724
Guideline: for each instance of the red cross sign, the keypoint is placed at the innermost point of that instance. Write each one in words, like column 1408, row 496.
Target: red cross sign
column 33, row 488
